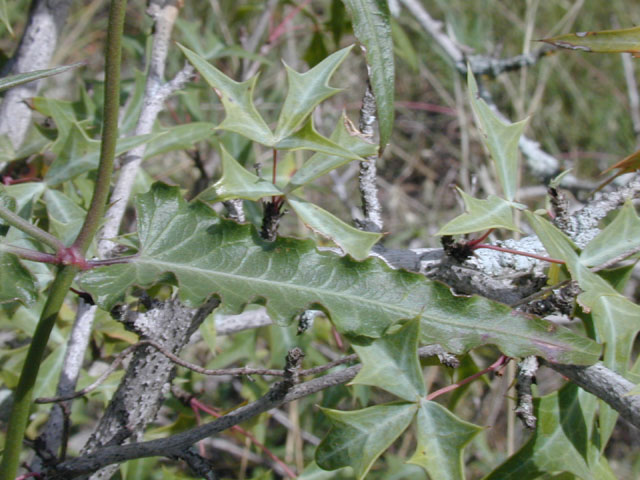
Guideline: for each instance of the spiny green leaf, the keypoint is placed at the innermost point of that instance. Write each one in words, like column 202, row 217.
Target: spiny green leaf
column 356, row 243
column 237, row 99
column 441, row 438
column 358, row 438
column 620, row 236
column 237, row 182
column 207, row 255
column 306, row 91
column 560, row 442
column 307, row 138
column 179, row 137
column 372, row 28
column 15, row 80
column 493, row 212
column 321, row 163
column 501, row 139
column 392, row 363
column 604, row 41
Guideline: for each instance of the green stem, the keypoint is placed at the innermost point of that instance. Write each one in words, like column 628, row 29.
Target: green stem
column 64, row 277
column 29, row 228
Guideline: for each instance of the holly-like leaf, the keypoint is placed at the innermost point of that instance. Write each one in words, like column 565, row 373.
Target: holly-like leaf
column 237, row 99
column 603, row 41
column 493, row 212
column 65, row 216
column 560, row 442
column 306, row 91
column 620, row 236
column 207, row 255
column 15, row 80
column 501, row 139
column 392, row 363
column 321, row 163
column 358, row 438
column 356, row 243
column 627, row 165
column 237, row 182
column 371, row 25
column 307, row 138
column 441, row 439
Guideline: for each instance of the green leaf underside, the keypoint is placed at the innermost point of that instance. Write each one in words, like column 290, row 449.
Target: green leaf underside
column 207, row 255
column 493, row 212
column 560, row 442
column 237, row 99
column 371, row 25
column 19, row 79
column 356, row 243
column 620, row 236
column 501, row 139
column 358, row 438
column 604, row 41
column 306, row 91
column 321, row 163
column 237, row 182
column 179, row 137
column 392, row 363
column 441, row 439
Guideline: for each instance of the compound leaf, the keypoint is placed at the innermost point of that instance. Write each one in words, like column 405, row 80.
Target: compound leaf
column 207, row 255
column 358, row 438
column 441, row 438
column 392, row 363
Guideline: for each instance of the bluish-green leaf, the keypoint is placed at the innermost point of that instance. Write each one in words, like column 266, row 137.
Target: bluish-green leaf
column 493, row 212
column 392, row 363
column 237, row 182
column 372, row 28
column 441, row 439
column 356, row 243
column 208, row 255
column 179, row 137
column 501, row 139
column 306, row 91
column 237, row 99
column 358, row 438
column 321, row 163
column 619, row 237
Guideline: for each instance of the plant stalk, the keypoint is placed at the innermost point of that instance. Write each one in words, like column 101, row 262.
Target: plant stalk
column 65, row 275
column 29, row 228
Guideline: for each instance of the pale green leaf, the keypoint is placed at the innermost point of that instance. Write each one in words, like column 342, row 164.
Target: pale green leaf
column 604, row 41
column 130, row 112
column 307, row 138
column 358, row 438
column 313, row 472
column 208, row 255
column 237, row 99
column 237, row 182
column 306, row 91
column 179, row 137
column 16, row 282
column 356, row 243
column 560, row 442
column 49, row 373
column 371, row 26
column 441, row 439
column 501, row 139
column 392, row 363
column 321, row 163
column 4, row 18
column 619, row 237
column 493, row 212
column 65, row 216
column 15, row 80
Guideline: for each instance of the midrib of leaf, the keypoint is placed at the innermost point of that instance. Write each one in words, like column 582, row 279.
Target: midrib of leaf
column 319, row 291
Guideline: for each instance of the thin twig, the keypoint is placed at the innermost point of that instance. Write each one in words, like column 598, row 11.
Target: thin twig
column 525, row 377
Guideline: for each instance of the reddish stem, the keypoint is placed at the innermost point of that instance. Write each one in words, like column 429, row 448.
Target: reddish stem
column 196, row 404
column 518, row 252
column 494, row 366
column 280, row 29
column 473, row 243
